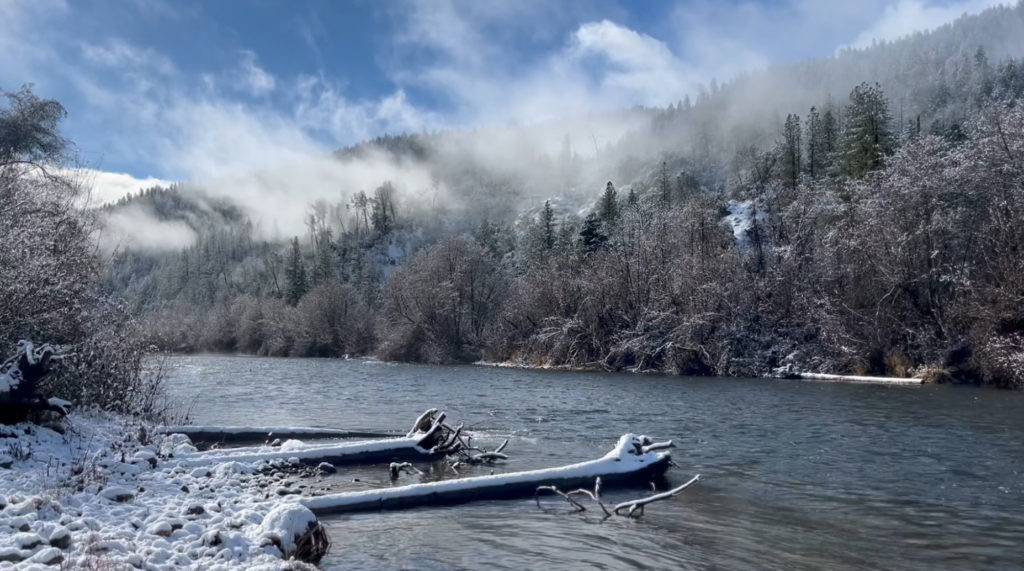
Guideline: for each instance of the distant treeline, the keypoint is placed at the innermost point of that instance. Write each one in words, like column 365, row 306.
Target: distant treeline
column 868, row 233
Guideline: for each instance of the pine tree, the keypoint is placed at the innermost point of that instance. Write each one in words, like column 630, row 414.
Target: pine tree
column 384, row 208
column 816, row 145
column 547, row 225
column 325, row 267
column 790, row 151
column 829, row 134
column 632, row 199
column 608, row 207
column 984, row 83
column 295, row 274
column 867, row 138
column 591, row 236
column 664, row 184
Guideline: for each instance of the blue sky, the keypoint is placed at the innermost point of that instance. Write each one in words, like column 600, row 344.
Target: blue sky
column 165, row 90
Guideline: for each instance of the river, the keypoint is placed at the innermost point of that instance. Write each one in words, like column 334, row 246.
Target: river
column 794, row 475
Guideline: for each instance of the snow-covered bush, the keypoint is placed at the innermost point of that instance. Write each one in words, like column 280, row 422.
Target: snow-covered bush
column 49, row 271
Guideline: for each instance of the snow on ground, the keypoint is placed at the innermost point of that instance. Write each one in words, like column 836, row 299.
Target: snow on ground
column 104, row 495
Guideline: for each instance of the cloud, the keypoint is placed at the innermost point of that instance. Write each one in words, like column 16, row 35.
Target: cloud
column 110, row 186
column 253, row 78
column 907, row 16
column 263, row 139
column 137, row 228
column 116, row 53
column 636, row 63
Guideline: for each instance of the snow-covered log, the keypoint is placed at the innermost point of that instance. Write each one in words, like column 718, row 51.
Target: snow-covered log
column 857, row 379
column 620, row 466
column 418, row 446
column 365, row 452
column 252, row 434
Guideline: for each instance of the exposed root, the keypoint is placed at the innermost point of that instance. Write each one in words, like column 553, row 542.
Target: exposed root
column 312, row 546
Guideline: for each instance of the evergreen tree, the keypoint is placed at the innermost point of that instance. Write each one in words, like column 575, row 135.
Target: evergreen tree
column 984, row 83
column 791, row 151
column 816, row 145
column 295, row 274
column 867, row 138
column 829, row 134
column 591, row 236
column 608, row 207
column 384, row 208
column 547, row 225
column 632, row 199
column 664, row 184
column 324, row 269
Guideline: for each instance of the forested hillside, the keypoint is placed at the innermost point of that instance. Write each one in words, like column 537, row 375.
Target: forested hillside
column 858, row 213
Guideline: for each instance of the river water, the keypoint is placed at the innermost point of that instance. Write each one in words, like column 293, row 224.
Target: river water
column 794, row 475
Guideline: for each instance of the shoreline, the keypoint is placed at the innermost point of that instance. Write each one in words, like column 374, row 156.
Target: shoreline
column 802, row 376
column 106, row 491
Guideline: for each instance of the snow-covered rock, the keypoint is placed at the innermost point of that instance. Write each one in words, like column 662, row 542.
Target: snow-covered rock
column 166, row 517
column 286, row 523
column 60, row 537
column 48, row 556
column 292, row 445
column 327, row 468
column 118, row 494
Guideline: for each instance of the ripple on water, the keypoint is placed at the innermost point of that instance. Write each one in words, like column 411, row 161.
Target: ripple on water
column 796, row 475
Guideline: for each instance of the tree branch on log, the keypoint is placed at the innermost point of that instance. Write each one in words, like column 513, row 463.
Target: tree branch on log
column 423, row 423
column 633, row 505
column 633, row 508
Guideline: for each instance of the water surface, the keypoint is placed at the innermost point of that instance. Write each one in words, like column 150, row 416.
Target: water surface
column 795, row 475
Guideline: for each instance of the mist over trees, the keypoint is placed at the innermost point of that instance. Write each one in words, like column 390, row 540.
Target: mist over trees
column 862, row 213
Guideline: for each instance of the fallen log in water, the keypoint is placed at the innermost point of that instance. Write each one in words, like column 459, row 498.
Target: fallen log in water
column 420, row 444
column 251, row 434
column 367, row 452
column 857, row 379
column 626, row 463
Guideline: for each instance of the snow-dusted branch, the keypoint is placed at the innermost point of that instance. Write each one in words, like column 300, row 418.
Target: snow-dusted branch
column 633, row 508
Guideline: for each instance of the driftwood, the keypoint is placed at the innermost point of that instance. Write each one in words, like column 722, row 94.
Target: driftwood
column 633, row 508
column 211, row 436
column 313, row 545
column 19, row 383
column 450, row 442
column 622, row 466
column 420, row 446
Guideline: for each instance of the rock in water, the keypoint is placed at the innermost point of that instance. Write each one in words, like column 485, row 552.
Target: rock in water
column 327, row 468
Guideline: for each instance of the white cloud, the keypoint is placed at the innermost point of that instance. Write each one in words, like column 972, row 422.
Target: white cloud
column 907, row 16
column 638, row 64
column 111, row 186
column 252, row 77
column 135, row 227
column 116, row 53
column 196, row 126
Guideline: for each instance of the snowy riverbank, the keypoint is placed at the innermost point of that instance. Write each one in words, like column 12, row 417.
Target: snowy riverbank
column 107, row 493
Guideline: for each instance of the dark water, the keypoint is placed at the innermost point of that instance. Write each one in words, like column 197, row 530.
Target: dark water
column 795, row 475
